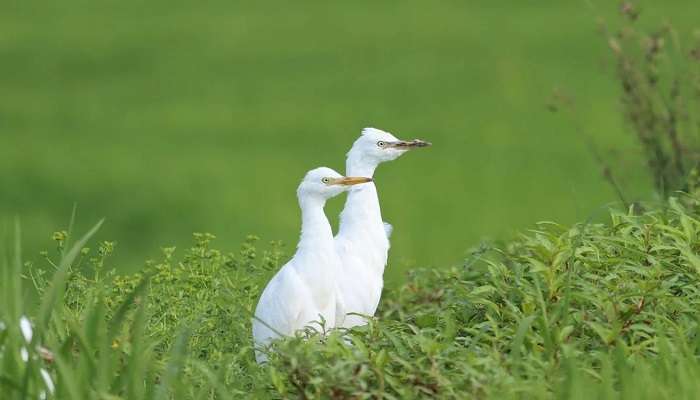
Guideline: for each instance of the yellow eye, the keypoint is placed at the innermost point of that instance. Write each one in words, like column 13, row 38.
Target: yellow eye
column 326, row 180
column 381, row 143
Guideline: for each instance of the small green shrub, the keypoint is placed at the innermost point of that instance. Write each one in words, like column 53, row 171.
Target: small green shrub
column 210, row 294
column 67, row 350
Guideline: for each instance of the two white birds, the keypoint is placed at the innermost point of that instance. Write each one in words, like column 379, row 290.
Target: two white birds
column 329, row 278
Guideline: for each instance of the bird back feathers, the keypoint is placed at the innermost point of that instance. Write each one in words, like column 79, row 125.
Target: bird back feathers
column 388, row 229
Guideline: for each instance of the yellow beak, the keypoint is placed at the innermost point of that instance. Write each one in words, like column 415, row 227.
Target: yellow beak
column 351, row 180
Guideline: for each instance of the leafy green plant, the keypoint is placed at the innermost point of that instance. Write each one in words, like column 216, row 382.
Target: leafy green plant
column 73, row 348
column 596, row 310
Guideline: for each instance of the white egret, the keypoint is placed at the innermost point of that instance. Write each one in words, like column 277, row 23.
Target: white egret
column 304, row 289
column 362, row 241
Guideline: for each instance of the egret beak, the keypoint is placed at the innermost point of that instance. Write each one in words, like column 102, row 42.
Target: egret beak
column 351, row 180
column 410, row 144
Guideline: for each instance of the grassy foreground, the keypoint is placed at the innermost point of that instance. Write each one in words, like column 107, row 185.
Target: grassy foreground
column 607, row 311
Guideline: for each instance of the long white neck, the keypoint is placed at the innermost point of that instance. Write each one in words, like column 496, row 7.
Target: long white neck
column 361, row 214
column 316, row 231
column 358, row 165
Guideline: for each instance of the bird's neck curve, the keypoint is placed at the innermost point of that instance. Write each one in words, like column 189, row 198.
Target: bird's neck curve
column 358, row 165
column 315, row 229
column 361, row 216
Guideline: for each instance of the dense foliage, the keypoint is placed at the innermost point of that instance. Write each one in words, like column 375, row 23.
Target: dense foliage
column 591, row 311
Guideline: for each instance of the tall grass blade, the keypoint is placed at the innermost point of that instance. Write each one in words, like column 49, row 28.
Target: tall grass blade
column 55, row 292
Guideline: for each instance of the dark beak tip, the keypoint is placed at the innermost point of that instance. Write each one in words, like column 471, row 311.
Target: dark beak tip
column 422, row 143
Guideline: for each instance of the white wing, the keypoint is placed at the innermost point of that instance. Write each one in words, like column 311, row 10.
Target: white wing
column 279, row 308
column 388, row 229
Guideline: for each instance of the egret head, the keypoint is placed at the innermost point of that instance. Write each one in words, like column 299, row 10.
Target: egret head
column 375, row 146
column 324, row 183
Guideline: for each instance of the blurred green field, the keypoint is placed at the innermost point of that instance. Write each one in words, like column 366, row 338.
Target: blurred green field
column 173, row 117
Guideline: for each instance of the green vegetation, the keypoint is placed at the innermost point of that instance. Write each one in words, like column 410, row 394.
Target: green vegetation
column 596, row 310
column 605, row 309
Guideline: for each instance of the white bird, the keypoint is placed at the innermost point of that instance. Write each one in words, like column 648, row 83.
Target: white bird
column 304, row 289
column 362, row 241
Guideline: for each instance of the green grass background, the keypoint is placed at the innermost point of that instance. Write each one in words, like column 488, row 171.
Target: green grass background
column 173, row 117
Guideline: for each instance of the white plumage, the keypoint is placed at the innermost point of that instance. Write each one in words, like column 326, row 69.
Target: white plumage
column 304, row 290
column 362, row 241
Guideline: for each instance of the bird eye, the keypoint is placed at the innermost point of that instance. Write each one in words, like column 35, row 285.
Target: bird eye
column 325, row 180
column 381, row 143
